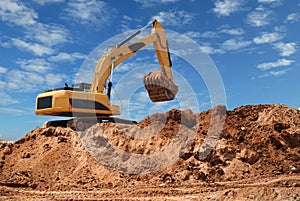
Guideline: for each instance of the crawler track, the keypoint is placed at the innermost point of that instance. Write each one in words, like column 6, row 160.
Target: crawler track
column 83, row 123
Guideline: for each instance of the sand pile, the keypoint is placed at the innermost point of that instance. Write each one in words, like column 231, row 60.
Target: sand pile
column 178, row 147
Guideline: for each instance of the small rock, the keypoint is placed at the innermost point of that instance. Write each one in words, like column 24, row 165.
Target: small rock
column 7, row 150
column 249, row 156
column 25, row 155
column 61, row 139
column 200, row 176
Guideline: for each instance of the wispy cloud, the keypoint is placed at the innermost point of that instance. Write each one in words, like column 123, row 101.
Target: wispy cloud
column 271, row 2
column 149, row 3
column 259, row 17
column 268, row 1
column 207, row 34
column 3, row 70
column 129, row 23
column 234, row 44
column 286, row 49
column 174, row 18
column 224, row 29
column 48, row 34
column 268, row 38
column 35, row 48
column 37, row 38
column 275, row 64
column 227, row 7
column 44, row 2
column 11, row 111
column 70, row 57
column 17, row 13
column 6, row 99
column 35, row 65
column 293, row 17
column 231, row 31
column 24, row 81
column 53, row 79
column 93, row 12
column 209, row 49
column 275, row 73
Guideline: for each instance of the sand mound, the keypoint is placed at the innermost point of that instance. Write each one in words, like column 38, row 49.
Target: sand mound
column 178, row 147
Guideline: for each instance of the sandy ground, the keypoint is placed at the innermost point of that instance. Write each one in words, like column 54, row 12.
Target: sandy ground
column 250, row 153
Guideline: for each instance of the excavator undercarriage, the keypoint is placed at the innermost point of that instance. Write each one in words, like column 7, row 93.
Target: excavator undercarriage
column 83, row 123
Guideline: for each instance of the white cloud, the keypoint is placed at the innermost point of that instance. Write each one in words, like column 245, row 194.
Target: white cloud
column 293, row 17
column 278, row 63
column 11, row 111
column 21, row 81
column 35, row 48
column 24, row 82
column 227, row 7
column 268, row 1
column 3, row 70
column 43, row 2
column 259, row 17
column 48, row 34
column 286, row 49
column 271, row 2
column 174, row 18
column 233, row 44
column 70, row 57
column 16, row 13
column 207, row 48
column 52, row 79
column 6, row 99
column 125, row 67
column 2, row 85
column 128, row 23
column 148, row 3
column 207, row 34
column 234, row 32
column 193, row 34
column 35, row 65
column 268, row 38
column 92, row 12
column 275, row 73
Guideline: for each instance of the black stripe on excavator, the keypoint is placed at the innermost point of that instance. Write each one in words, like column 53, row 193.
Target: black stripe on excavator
column 87, row 104
column 136, row 46
column 169, row 58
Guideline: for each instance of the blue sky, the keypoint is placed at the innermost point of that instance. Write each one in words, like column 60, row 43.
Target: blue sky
column 253, row 44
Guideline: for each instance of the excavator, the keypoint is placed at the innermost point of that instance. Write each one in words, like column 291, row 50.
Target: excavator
column 85, row 101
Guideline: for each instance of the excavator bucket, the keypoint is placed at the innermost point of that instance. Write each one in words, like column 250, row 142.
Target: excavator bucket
column 159, row 87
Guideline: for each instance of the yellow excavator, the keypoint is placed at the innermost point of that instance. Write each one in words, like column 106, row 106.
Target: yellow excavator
column 85, row 101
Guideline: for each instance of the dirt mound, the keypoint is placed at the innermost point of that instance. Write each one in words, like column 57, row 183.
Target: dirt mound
column 176, row 148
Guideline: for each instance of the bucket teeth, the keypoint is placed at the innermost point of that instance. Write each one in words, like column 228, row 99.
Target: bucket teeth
column 159, row 87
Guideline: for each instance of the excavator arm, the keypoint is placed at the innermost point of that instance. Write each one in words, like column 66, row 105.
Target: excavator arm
column 160, row 85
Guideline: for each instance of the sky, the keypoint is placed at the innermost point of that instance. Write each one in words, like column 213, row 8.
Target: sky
column 232, row 52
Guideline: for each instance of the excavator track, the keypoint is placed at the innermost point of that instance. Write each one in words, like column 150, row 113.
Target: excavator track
column 159, row 87
column 83, row 123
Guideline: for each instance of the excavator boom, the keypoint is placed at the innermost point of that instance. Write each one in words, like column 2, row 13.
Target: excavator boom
column 160, row 85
